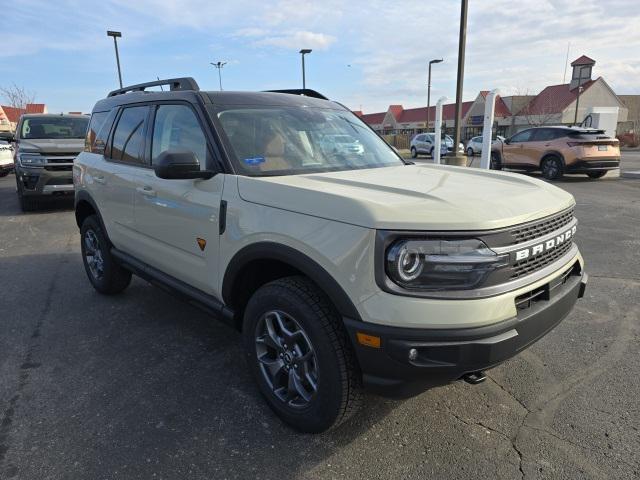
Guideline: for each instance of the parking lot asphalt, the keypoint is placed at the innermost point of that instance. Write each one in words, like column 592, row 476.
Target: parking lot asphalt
column 141, row 385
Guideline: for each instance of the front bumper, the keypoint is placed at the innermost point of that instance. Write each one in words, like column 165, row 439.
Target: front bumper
column 39, row 181
column 601, row 164
column 445, row 355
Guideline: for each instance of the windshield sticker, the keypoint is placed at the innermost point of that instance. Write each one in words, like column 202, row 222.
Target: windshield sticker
column 254, row 160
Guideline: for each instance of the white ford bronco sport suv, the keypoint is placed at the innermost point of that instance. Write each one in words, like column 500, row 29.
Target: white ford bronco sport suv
column 342, row 269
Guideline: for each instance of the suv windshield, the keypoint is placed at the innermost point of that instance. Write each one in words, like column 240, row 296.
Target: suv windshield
column 54, row 127
column 282, row 140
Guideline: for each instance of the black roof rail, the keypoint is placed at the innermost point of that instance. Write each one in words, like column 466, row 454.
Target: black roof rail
column 307, row 92
column 183, row 83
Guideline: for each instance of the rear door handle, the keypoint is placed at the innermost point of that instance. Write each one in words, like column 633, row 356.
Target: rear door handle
column 99, row 179
column 147, row 191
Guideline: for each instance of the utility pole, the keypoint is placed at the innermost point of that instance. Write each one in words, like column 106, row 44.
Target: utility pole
column 460, row 159
column 115, row 35
column 303, row 52
column 431, row 62
column 219, row 66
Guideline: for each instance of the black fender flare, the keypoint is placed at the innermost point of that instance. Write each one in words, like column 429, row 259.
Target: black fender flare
column 295, row 259
column 84, row 196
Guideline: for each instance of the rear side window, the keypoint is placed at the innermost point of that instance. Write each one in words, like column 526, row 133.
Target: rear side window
column 98, row 131
column 546, row 134
column 523, row 136
column 128, row 137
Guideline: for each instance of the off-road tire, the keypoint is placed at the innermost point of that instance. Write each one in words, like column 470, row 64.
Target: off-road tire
column 339, row 382
column 113, row 279
column 552, row 167
column 414, row 152
column 597, row 174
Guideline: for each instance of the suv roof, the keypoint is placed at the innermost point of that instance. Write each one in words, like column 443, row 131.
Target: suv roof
column 40, row 115
column 186, row 88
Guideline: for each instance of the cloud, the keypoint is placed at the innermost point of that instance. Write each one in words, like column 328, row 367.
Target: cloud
column 298, row 40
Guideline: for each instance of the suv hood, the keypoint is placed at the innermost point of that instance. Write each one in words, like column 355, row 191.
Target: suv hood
column 413, row 197
column 52, row 145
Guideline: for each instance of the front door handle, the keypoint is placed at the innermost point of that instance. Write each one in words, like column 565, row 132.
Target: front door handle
column 99, row 179
column 147, row 191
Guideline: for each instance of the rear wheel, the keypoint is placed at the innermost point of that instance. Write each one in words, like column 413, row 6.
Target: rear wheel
column 597, row 174
column 552, row 168
column 414, row 152
column 495, row 163
column 300, row 355
column 104, row 273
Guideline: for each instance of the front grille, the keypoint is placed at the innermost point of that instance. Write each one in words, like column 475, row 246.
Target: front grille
column 530, row 265
column 59, row 168
column 538, row 229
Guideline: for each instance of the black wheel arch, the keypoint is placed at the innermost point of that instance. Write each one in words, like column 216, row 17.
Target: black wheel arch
column 259, row 263
column 85, row 206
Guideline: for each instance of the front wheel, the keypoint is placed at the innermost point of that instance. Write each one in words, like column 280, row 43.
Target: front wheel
column 470, row 152
column 300, row 355
column 414, row 152
column 598, row 174
column 552, row 168
column 104, row 273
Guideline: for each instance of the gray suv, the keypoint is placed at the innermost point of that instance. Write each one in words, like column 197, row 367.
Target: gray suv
column 46, row 145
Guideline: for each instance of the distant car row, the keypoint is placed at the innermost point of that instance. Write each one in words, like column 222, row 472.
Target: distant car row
column 553, row 151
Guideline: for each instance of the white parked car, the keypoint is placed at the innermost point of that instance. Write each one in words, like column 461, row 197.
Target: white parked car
column 6, row 158
column 474, row 146
column 424, row 143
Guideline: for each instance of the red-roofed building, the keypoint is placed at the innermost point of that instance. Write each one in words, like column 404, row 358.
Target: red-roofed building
column 554, row 105
column 9, row 116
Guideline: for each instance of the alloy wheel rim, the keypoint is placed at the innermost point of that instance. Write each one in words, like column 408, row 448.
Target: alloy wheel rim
column 286, row 358
column 551, row 168
column 93, row 254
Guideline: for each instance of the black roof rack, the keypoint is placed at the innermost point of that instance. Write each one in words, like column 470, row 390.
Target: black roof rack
column 307, row 92
column 184, row 83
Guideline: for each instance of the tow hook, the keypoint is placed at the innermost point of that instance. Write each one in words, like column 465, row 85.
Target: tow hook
column 474, row 378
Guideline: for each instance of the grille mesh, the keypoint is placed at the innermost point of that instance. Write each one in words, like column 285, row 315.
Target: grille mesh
column 535, row 230
column 530, row 265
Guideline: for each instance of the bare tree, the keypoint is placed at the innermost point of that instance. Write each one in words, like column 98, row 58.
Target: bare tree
column 540, row 114
column 16, row 96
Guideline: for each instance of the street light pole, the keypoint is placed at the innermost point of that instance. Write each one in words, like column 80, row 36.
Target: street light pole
column 464, row 5
column 303, row 52
column 219, row 66
column 431, row 62
column 115, row 35
column 575, row 117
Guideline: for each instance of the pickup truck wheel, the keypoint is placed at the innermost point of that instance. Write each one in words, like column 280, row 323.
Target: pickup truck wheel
column 552, row 168
column 104, row 273
column 414, row 152
column 598, row 174
column 301, row 356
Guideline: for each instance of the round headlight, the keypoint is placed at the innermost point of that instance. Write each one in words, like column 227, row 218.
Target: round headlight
column 409, row 264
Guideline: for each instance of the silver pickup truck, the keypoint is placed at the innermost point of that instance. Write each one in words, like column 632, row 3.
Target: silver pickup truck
column 46, row 146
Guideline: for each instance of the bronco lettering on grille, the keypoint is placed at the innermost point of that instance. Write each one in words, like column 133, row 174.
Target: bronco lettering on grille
column 545, row 246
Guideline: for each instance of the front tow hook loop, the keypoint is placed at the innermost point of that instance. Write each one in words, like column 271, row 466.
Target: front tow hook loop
column 474, row 378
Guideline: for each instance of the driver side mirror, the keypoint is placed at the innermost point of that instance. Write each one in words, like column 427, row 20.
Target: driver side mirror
column 180, row 165
column 507, row 141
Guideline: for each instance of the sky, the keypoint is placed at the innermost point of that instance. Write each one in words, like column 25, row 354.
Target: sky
column 366, row 54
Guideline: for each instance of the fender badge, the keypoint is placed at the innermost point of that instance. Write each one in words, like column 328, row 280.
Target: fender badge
column 201, row 243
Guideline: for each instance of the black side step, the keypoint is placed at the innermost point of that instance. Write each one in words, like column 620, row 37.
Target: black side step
column 176, row 287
